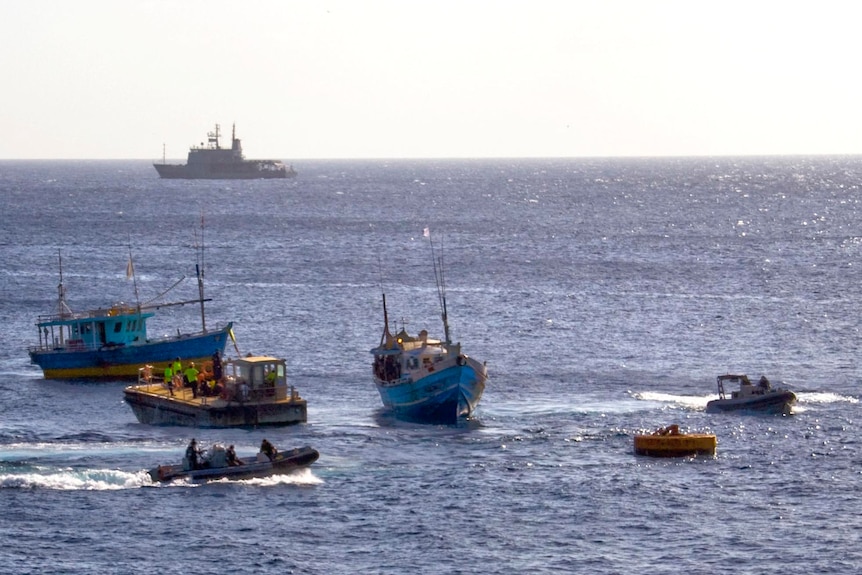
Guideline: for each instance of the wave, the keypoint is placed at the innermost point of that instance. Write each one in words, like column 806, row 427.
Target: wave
column 298, row 477
column 73, row 480
column 693, row 401
column 824, row 397
column 32, row 478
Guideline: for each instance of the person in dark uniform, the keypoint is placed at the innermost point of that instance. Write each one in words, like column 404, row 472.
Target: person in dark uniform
column 232, row 459
column 268, row 449
column 217, row 367
column 192, row 454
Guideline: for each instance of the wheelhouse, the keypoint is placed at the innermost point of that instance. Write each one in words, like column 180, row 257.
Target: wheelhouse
column 117, row 326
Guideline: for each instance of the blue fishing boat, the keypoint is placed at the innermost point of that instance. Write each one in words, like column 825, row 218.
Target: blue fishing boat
column 113, row 342
column 427, row 380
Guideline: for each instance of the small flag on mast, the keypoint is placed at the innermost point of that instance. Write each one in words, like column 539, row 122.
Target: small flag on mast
column 426, row 233
column 130, row 269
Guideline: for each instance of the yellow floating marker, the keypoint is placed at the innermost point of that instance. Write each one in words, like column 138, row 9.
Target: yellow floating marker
column 670, row 442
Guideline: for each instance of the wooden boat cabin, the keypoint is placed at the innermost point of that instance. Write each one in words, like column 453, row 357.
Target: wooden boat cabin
column 257, row 377
column 119, row 325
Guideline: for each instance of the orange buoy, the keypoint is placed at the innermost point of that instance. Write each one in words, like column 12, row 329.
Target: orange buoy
column 670, row 442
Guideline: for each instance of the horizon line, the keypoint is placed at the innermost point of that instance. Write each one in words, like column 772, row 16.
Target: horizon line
column 471, row 158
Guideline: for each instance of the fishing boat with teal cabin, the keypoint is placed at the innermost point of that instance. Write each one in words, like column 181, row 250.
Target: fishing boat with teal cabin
column 427, row 380
column 112, row 342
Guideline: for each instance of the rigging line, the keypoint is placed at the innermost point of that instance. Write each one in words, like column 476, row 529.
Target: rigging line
column 164, row 292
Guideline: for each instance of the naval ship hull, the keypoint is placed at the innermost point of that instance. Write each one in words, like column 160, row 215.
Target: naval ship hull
column 215, row 172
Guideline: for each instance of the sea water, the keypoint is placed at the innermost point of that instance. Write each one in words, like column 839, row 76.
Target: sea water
column 605, row 295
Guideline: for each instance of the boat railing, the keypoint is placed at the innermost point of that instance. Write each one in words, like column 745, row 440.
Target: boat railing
column 68, row 345
column 398, row 381
column 65, row 316
column 231, row 391
column 114, row 310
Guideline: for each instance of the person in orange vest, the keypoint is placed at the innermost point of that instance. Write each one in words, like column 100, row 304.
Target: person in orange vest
column 203, row 385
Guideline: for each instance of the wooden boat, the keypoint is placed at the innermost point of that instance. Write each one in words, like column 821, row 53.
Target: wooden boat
column 253, row 391
column 112, row 342
column 762, row 398
column 214, row 465
column 670, row 442
column 427, row 380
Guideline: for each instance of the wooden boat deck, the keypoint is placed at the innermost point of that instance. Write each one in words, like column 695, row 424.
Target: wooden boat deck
column 185, row 396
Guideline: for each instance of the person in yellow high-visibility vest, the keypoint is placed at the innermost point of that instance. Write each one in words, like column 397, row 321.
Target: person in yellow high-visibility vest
column 191, row 374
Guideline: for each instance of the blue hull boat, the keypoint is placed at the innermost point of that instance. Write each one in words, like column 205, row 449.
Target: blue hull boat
column 443, row 389
column 427, row 380
column 113, row 342
column 75, row 359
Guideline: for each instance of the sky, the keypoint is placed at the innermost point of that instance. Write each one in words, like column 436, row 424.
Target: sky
column 302, row 79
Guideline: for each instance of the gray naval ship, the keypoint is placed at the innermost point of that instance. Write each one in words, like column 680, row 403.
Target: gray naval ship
column 212, row 162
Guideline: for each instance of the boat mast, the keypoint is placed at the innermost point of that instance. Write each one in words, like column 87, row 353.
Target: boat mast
column 130, row 273
column 63, row 310
column 199, row 269
column 441, row 284
column 387, row 336
column 61, row 301
column 61, row 290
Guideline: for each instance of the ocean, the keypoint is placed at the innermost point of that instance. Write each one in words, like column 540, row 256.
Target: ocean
column 605, row 295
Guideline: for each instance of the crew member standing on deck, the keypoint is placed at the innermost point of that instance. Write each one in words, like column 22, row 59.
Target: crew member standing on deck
column 191, row 374
column 268, row 449
column 192, row 454
column 217, row 369
column 169, row 379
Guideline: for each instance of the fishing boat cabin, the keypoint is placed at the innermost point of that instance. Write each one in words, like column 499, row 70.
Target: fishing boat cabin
column 119, row 325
